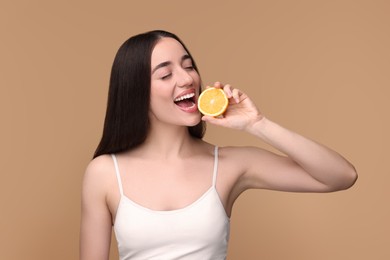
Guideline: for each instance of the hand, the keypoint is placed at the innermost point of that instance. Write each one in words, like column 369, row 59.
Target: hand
column 241, row 113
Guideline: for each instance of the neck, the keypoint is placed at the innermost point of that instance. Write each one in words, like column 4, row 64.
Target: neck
column 168, row 141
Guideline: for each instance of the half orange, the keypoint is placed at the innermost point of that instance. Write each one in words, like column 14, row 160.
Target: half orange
column 213, row 102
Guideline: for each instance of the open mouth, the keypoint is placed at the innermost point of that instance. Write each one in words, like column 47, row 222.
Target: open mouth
column 186, row 101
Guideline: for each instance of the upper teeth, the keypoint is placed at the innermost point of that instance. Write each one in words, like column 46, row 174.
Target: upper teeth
column 185, row 97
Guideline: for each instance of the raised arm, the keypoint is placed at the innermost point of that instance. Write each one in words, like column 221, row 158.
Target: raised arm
column 96, row 224
column 307, row 165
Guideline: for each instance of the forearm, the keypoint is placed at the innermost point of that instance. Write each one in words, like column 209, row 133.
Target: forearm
column 320, row 162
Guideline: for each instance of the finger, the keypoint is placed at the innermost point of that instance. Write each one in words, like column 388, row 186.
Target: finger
column 218, row 84
column 236, row 95
column 213, row 120
column 228, row 90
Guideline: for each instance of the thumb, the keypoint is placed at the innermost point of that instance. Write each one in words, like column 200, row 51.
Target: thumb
column 214, row 120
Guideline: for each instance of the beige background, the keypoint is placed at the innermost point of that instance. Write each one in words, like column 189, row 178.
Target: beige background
column 321, row 68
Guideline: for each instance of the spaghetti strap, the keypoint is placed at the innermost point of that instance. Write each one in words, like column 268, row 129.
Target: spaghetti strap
column 215, row 173
column 118, row 176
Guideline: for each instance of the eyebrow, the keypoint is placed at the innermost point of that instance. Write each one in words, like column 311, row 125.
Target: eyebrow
column 167, row 63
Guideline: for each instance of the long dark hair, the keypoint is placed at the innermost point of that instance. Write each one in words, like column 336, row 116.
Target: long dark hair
column 126, row 124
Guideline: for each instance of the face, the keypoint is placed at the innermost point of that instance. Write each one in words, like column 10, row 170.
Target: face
column 175, row 85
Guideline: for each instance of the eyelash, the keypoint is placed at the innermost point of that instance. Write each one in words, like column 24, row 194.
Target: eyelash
column 190, row 68
column 166, row 76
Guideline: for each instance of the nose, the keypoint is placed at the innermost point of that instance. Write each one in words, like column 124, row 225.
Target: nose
column 184, row 78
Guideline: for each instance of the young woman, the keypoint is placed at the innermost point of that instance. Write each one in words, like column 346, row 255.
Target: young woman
column 167, row 193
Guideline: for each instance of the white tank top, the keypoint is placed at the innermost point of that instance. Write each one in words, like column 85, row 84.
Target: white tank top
column 199, row 231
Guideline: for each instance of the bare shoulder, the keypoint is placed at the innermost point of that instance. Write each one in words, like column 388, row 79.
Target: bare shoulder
column 236, row 161
column 243, row 153
column 96, row 221
column 99, row 174
column 239, row 160
column 100, row 164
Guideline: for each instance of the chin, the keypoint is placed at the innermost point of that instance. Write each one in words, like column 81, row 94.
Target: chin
column 194, row 122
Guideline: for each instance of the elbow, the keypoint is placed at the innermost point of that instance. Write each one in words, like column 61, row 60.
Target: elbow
column 347, row 180
column 351, row 177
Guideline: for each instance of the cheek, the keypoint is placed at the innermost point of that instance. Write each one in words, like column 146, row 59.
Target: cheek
column 196, row 77
column 160, row 99
column 156, row 108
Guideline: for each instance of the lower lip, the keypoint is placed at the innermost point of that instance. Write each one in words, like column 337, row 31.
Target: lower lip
column 191, row 109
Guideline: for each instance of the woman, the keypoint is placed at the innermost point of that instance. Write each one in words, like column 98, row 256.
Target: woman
column 167, row 193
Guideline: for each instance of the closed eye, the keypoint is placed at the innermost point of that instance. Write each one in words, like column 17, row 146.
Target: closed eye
column 187, row 62
column 166, row 76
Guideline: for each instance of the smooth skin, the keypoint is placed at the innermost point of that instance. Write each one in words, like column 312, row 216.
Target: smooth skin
column 171, row 169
